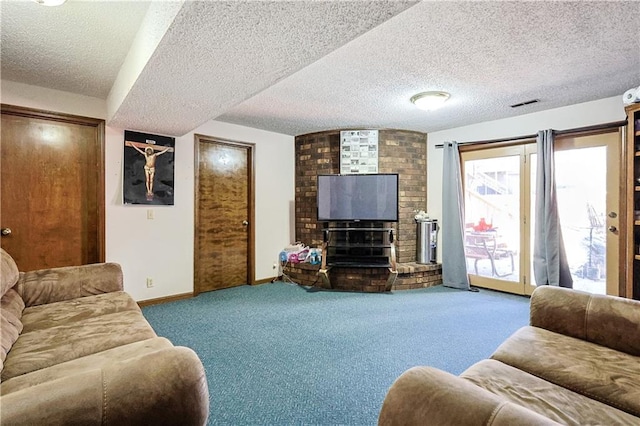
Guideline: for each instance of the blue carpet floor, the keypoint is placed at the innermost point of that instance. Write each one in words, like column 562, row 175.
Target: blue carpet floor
column 282, row 354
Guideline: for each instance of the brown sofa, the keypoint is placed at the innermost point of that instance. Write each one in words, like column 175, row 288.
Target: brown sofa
column 76, row 349
column 577, row 363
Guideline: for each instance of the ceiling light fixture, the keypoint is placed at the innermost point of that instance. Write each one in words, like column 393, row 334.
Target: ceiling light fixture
column 429, row 101
column 50, row 2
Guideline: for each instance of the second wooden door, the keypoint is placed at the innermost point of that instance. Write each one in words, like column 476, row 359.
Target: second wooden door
column 224, row 212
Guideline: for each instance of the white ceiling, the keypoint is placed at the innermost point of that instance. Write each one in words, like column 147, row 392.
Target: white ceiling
column 297, row 67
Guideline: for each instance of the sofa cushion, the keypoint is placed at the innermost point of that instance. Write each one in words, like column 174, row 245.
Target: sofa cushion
column 12, row 302
column 10, row 332
column 43, row 348
column 11, row 307
column 8, row 272
column 598, row 372
column 428, row 396
column 84, row 364
column 555, row 402
column 163, row 387
column 609, row 321
column 52, row 285
column 40, row 317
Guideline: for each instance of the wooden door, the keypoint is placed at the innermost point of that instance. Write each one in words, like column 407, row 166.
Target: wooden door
column 52, row 188
column 224, row 214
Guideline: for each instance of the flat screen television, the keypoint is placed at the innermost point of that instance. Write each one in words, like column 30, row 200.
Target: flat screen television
column 352, row 198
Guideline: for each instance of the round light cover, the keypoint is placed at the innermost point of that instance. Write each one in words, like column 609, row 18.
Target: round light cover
column 429, row 101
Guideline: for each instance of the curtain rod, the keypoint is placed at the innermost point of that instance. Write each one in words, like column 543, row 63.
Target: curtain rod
column 593, row 128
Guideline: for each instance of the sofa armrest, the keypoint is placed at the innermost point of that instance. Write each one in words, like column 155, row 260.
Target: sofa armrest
column 608, row 321
column 70, row 282
column 166, row 387
column 426, row 395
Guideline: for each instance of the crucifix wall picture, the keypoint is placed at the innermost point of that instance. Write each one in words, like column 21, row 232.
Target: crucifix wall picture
column 148, row 169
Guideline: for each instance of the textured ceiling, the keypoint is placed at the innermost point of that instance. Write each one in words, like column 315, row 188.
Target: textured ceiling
column 303, row 66
column 78, row 47
column 217, row 54
column 488, row 55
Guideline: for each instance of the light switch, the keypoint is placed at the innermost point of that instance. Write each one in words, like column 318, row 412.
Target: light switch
column 150, row 214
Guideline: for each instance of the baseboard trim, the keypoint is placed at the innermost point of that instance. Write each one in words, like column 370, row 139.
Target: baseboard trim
column 160, row 300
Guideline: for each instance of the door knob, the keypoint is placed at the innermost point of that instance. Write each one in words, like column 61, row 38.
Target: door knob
column 245, row 223
column 5, row 231
column 613, row 228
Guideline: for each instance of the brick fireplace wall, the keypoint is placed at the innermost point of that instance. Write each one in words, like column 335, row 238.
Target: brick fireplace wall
column 399, row 151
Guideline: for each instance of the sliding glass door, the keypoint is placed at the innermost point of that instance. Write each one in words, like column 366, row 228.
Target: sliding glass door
column 499, row 187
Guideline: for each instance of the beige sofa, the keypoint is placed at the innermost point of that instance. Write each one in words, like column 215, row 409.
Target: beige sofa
column 577, row 363
column 76, row 349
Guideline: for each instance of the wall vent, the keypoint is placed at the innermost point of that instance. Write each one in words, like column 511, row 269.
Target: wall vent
column 532, row 101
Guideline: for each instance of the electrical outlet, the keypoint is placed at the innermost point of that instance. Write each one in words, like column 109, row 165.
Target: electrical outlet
column 149, row 282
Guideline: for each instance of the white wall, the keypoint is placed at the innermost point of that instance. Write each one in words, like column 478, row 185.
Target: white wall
column 573, row 116
column 162, row 248
column 19, row 94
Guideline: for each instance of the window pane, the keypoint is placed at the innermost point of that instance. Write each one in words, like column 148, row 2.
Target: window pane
column 581, row 179
column 492, row 215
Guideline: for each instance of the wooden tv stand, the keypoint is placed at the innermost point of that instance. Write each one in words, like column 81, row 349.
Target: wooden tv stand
column 358, row 245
